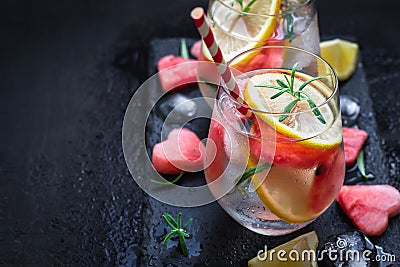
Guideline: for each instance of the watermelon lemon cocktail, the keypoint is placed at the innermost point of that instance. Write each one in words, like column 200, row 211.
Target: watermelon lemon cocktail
column 285, row 166
column 240, row 25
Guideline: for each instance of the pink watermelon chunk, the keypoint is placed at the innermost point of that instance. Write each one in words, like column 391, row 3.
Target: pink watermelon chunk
column 370, row 206
column 176, row 72
column 216, row 163
column 181, row 151
column 353, row 140
column 195, row 50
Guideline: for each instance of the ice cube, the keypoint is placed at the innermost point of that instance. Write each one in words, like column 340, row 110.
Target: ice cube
column 177, row 108
column 350, row 109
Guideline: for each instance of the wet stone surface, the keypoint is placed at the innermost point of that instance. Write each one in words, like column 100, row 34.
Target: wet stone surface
column 222, row 240
column 383, row 73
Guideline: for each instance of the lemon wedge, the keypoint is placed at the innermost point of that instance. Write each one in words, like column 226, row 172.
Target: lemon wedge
column 341, row 55
column 302, row 125
column 299, row 252
column 236, row 31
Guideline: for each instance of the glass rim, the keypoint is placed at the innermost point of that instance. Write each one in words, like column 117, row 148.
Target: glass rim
column 284, row 13
column 327, row 100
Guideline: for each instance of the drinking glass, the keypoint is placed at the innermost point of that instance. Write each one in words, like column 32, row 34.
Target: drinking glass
column 295, row 23
column 277, row 170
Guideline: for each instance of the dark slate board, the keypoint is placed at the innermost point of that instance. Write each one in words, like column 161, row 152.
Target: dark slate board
column 220, row 241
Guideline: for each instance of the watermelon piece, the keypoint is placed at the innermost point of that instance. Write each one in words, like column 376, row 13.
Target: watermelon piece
column 216, row 160
column 328, row 180
column 181, row 151
column 282, row 150
column 195, row 50
column 369, row 207
column 176, row 72
column 268, row 58
column 353, row 140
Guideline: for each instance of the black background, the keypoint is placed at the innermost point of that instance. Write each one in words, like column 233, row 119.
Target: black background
column 66, row 196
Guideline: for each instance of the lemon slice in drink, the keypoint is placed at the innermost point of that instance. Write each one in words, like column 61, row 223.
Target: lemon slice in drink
column 236, row 31
column 284, row 196
column 342, row 55
column 302, row 124
column 305, row 255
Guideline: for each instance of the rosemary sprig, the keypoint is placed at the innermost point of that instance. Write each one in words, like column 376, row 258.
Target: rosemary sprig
column 184, row 49
column 177, row 230
column 245, row 8
column 289, row 21
column 298, row 94
column 253, row 170
column 169, row 182
column 248, row 6
column 361, row 166
column 289, row 26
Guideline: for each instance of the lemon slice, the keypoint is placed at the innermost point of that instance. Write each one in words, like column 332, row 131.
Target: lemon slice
column 302, row 124
column 284, row 196
column 237, row 32
column 299, row 252
column 286, row 191
column 341, row 55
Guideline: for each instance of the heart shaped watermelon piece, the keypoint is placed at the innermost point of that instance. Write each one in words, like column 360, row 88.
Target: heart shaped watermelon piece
column 369, row 207
column 181, row 151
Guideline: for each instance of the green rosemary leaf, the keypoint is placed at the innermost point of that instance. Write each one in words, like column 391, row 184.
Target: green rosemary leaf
column 282, row 84
column 309, row 81
column 314, row 108
column 168, row 183
column 247, row 8
column 280, row 93
column 288, row 109
column 244, row 177
column 361, row 165
column 184, row 233
column 289, row 26
column 167, row 237
column 184, row 49
column 170, row 221
column 318, row 114
column 253, row 170
column 179, row 220
column 292, row 76
column 282, row 118
column 182, row 242
column 305, row 95
column 187, row 224
column 270, row 86
column 287, row 80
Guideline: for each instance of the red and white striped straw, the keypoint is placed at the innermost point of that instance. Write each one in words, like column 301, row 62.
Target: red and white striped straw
column 207, row 35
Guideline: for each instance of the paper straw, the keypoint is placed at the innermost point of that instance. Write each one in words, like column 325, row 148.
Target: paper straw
column 207, row 35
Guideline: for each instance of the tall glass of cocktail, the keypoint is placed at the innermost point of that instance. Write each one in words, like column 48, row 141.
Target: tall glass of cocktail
column 285, row 164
